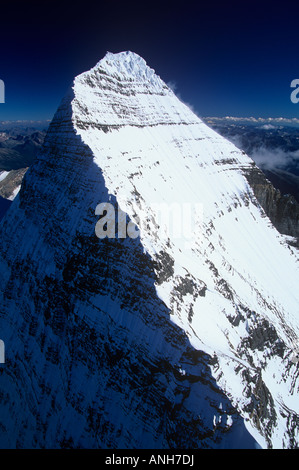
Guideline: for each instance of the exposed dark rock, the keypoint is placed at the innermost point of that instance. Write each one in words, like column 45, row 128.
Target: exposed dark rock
column 11, row 182
column 282, row 210
column 163, row 265
column 4, row 206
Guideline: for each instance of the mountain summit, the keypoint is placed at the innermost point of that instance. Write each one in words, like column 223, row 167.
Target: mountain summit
column 146, row 299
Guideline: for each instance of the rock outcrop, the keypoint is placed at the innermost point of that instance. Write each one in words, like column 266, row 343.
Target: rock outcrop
column 282, row 209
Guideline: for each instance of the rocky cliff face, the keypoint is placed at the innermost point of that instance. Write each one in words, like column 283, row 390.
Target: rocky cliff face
column 11, row 183
column 179, row 337
column 282, row 210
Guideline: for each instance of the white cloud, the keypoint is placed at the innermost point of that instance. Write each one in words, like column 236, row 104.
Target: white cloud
column 275, row 158
column 277, row 121
column 174, row 87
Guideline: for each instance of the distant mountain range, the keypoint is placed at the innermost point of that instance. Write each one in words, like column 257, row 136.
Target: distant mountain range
column 18, row 148
column 272, row 143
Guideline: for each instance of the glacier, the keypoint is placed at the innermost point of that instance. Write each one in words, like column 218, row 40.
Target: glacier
column 158, row 341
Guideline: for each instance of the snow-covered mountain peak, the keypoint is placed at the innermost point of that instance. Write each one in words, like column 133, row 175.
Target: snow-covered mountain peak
column 140, row 97
column 126, row 63
column 174, row 338
column 126, row 67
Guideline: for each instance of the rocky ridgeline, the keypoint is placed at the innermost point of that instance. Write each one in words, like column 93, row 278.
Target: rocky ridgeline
column 282, row 209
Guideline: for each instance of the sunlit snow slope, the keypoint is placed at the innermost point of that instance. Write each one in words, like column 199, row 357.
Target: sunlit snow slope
column 181, row 337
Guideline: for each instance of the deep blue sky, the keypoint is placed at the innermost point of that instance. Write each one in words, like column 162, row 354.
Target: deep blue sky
column 233, row 58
